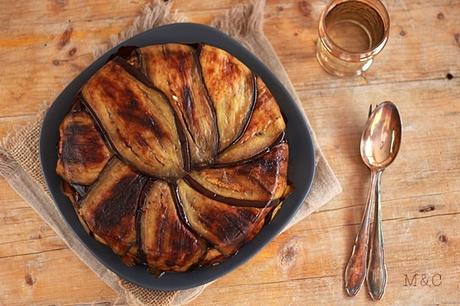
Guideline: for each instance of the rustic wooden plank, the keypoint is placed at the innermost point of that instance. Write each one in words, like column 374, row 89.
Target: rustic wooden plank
column 428, row 162
column 401, row 59
column 12, row 123
column 23, row 231
column 37, row 32
column 304, row 265
column 328, row 290
column 54, row 277
column 300, row 255
column 291, row 27
column 433, row 98
column 409, row 197
column 23, row 13
column 323, row 284
column 305, row 251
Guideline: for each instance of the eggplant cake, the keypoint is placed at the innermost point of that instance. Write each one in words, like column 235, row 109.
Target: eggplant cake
column 174, row 156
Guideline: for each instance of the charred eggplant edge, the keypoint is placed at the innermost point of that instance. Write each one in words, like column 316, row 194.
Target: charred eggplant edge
column 181, row 218
column 184, row 149
column 251, row 108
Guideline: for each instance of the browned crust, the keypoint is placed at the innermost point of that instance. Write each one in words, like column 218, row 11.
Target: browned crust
column 221, row 91
column 109, row 208
column 280, row 139
column 230, row 201
column 147, row 135
column 132, row 62
column 173, row 68
column 224, row 226
column 259, row 183
column 138, row 72
column 264, row 128
column 167, row 244
column 82, row 153
column 248, row 116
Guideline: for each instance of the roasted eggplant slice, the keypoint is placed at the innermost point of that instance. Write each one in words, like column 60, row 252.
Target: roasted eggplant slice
column 231, row 86
column 109, row 208
column 264, row 128
column 174, row 156
column 168, row 245
column 137, row 120
column 226, row 227
column 173, row 68
column 82, row 153
column 262, row 180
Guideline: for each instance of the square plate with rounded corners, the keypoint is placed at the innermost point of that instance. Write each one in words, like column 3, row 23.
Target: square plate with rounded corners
column 300, row 172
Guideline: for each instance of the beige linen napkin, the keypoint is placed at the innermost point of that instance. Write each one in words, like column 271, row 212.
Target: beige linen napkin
column 19, row 152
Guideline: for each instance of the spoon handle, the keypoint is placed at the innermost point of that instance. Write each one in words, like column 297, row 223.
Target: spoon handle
column 355, row 271
column 377, row 272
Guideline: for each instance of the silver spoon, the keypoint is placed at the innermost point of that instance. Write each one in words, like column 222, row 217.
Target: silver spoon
column 380, row 142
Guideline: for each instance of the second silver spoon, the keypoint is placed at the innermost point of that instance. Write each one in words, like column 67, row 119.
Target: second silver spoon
column 380, row 142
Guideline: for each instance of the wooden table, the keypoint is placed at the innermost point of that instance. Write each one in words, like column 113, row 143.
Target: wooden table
column 45, row 44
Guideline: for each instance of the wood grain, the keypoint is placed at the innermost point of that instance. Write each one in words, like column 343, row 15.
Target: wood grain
column 44, row 44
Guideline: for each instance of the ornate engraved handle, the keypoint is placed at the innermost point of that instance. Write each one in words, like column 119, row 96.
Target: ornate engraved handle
column 355, row 271
column 377, row 272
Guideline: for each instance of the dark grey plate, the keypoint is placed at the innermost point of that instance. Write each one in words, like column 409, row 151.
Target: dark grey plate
column 301, row 158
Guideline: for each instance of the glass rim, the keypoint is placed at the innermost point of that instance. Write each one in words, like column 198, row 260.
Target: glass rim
column 343, row 54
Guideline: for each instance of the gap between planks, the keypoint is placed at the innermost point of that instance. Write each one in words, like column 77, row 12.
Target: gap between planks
column 386, row 201
column 35, row 253
column 383, row 220
column 298, row 88
column 305, row 230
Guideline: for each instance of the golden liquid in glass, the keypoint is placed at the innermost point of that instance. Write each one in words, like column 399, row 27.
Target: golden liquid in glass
column 354, row 26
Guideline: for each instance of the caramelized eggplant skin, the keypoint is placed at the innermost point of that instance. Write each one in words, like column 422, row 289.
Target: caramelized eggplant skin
column 200, row 157
column 109, row 208
column 168, row 245
column 263, row 179
column 226, row 227
column 173, row 68
column 264, row 128
column 82, row 153
column 231, row 86
column 137, row 120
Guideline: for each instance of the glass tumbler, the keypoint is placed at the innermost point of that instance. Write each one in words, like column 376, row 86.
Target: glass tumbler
column 351, row 34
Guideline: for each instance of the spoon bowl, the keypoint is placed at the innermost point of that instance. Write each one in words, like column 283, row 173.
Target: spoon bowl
column 381, row 137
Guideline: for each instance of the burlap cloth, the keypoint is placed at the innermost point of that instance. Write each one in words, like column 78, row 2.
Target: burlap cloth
column 19, row 152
